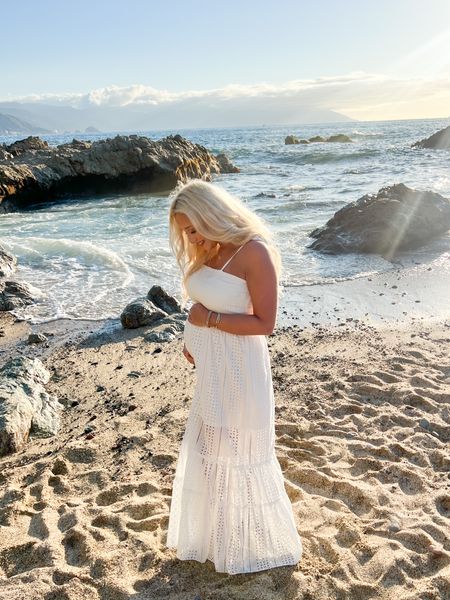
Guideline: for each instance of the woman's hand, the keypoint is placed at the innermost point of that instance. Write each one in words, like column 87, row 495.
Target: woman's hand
column 188, row 356
column 197, row 314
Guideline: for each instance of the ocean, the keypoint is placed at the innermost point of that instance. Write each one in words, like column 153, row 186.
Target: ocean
column 90, row 256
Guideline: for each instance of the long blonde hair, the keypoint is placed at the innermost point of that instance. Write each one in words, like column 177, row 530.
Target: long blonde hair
column 218, row 216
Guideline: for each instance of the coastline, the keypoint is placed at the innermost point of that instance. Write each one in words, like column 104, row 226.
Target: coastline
column 362, row 421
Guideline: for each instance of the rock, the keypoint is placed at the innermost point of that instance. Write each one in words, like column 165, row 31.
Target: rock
column 27, row 145
column 140, row 312
column 163, row 300
column 394, row 526
column 291, row 139
column 121, row 164
column 397, row 218
column 439, row 140
column 340, row 137
column 15, row 295
column 162, row 334
column 226, row 165
column 4, row 154
column 8, row 263
column 25, row 407
column 36, row 338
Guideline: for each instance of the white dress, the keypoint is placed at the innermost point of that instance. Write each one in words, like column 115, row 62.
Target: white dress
column 229, row 504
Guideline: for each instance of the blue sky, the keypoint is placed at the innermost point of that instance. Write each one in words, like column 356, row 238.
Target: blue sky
column 76, row 47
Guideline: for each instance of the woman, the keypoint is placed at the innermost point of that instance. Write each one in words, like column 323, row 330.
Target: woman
column 229, row 504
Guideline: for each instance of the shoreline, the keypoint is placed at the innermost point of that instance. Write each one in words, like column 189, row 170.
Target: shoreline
column 362, row 429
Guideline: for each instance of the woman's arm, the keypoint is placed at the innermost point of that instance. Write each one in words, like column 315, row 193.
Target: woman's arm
column 262, row 285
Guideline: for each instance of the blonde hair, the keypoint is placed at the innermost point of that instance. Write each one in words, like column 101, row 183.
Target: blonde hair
column 218, row 216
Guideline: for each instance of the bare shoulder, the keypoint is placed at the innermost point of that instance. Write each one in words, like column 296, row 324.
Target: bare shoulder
column 257, row 255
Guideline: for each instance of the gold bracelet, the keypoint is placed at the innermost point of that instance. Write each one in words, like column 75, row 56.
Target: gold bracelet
column 207, row 318
column 217, row 319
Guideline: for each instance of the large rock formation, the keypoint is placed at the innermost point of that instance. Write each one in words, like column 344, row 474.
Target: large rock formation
column 440, row 140
column 25, row 407
column 396, row 218
column 31, row 171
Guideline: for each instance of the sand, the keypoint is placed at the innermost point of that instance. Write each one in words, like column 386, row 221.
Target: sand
column 363, row 431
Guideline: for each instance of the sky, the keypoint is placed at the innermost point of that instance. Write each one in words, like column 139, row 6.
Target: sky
column 368, row 60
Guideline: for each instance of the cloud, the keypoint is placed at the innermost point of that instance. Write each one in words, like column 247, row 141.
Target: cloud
column 358, row 95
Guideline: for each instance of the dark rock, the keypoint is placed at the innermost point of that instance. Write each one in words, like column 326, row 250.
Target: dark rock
column 27, row 145
column 291, row 139
column 163, row 300
column 8, row 263
column 15, row 295
column 25, row 407
column 140, row 312
column 340, row 137
column 397, row 218
column 226, row 165
column 36, row 338
column 122, row 164
column 439, row 140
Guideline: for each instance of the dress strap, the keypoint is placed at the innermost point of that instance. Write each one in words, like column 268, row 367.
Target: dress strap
column 232, row 256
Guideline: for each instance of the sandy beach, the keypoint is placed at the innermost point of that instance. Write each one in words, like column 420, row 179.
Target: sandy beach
column 362, row 424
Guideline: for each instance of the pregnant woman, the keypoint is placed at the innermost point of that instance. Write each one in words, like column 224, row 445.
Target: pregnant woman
column 229, row 504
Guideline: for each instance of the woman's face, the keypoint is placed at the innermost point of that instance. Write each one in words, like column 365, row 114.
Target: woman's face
column 193, row 235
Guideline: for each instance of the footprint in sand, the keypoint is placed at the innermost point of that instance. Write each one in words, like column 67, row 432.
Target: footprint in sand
column 114, row 523
column 78, row 550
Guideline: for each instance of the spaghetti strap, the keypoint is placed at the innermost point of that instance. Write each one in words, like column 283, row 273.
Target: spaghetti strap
column 232, row 256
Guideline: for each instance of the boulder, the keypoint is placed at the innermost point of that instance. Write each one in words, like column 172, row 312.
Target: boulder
column 340, row 137
column 439, row 140
column 226, row 165
column 123, row 164
column 291, row 139
column 163, row 300
column 8, row 263
column 25, row 407
column 140, row 312
column 395, row 219
column 15, row 295
column 37, row 338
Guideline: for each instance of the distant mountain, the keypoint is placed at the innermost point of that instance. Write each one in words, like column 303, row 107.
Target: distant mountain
column 181, row 114
column 11, row 125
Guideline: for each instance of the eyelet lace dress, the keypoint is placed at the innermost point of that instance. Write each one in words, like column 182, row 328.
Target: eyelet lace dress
column 229, row 504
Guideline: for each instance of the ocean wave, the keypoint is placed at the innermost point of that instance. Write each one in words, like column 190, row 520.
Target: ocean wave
column 90, row 253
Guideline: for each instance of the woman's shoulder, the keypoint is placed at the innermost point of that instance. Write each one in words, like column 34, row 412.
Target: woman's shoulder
column 256, row 252
column 256, row 246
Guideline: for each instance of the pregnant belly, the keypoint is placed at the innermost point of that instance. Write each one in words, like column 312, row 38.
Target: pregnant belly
column 191, row 338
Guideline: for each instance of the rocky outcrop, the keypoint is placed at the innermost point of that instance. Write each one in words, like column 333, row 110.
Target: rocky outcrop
column 8, row 263
column 27, row 145
column 338, row 138
column 439, row 140
column 16, row 295
column 397, row 218
column 25, row 407
column 37, row 172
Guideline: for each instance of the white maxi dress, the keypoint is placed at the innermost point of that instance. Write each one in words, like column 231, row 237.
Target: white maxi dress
column 229, row 504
